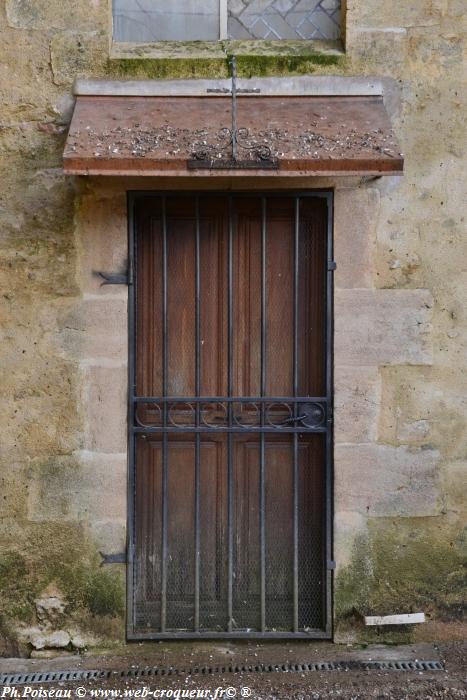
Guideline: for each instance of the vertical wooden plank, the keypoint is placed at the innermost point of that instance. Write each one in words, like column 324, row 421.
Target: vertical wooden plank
column 181, row 227
column 246, row 379
column 279, row 289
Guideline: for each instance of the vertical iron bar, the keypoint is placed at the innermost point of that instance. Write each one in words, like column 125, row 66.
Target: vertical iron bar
column 295, row 435
column 328, row 554
column 233, row 66
column 229, row 438
column 262, row 537
column 198, row 437
column 164, row 436
column 132, row 345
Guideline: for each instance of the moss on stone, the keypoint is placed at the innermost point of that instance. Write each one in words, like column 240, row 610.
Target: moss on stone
column 248, row 65
column 196, row 50
column 260, row 65
column 87, row 586
column 17, row 590
column 282, row 47
column 167, row 68
column 402, row 567
column 168, row 49
column 61, row 555
column 103, row 594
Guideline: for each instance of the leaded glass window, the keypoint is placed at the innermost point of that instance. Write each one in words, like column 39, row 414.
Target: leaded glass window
column 189, row 20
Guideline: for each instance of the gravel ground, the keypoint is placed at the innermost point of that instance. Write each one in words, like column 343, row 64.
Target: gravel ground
column 450, row 683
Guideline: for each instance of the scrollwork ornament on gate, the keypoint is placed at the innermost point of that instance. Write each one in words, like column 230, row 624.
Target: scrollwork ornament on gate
column 224, row 151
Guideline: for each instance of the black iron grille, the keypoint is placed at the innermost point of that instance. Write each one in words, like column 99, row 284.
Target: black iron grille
column 230, row 416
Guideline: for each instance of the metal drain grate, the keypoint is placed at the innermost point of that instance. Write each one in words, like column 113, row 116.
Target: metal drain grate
column 67, row 676
column 51, row 677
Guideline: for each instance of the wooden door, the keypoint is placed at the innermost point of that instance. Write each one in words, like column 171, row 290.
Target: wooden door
column 230, row 416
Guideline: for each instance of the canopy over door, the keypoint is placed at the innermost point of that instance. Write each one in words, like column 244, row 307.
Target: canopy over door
column 191, row 136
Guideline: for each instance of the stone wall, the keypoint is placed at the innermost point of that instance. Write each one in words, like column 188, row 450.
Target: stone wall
column 401, row 295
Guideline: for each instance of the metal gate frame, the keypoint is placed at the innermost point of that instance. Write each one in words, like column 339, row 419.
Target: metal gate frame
column 133, row 430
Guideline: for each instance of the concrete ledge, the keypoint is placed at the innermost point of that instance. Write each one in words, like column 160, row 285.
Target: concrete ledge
column 224, row 48
column 293, row 85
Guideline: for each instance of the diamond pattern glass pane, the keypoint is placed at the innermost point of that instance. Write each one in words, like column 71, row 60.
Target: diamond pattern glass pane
column 158, row 20
column 284, row 19
column 189, row 20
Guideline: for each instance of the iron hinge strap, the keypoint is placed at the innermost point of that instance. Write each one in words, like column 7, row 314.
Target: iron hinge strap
column 117, row 558
column 115, row 277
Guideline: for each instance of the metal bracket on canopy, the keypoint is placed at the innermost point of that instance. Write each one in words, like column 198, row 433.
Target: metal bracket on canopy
column 211, row 156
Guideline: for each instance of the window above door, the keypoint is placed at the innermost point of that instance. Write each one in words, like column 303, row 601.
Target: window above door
column 149, row 21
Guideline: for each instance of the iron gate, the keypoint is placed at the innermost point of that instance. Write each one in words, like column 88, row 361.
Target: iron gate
column 230, row 415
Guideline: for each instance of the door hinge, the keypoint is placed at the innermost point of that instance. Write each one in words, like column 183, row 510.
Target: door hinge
column 331, row 565
column 118, row 558
column 113, row 277
column 332, row 265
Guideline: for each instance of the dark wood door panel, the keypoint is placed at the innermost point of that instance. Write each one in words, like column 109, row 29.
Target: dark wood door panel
column 181, row 310
column 230, row 363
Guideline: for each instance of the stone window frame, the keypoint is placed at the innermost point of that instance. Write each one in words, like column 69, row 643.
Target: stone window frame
column 222, row 47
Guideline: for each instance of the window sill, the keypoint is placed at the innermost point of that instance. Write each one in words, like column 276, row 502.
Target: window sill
column 322, row 51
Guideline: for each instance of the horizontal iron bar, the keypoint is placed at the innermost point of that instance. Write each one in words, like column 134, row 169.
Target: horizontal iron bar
column 231, row 399
column 311, row 634
column 226, row 429
column 219, row 194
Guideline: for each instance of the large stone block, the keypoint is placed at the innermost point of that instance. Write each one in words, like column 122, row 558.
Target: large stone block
column 456, row 8
column 455, row 487
column 355, row 219
column 385, row 50
column 380, row 480
column 374, row 13
column 109, row 536
column 63, row 14
column 105, row 408
column 347, row 526
column 97, row 328
column 357, row 394
column 425, row 405
column 86, row 488
column 383, row 326
column 77, row 54
column 24, row 84
column 103, row 240
column 440, row 50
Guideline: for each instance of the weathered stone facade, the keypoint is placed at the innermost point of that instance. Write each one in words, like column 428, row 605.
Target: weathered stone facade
column 400, row 323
